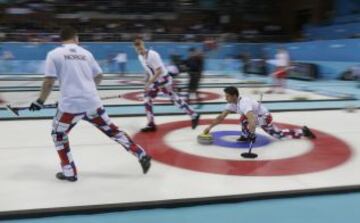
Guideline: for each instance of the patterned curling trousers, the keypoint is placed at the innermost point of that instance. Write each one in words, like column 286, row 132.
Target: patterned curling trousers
column 63, row 123
column 265, row 122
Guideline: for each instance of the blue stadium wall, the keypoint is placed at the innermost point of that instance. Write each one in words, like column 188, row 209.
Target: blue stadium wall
column 332, row 56
column 29, row 57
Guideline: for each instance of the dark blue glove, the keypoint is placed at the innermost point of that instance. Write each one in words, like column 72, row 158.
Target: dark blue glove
column 36, row 105
column 252, row 137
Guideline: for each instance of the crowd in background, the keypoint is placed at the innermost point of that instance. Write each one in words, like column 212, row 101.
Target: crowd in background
column 162, row 20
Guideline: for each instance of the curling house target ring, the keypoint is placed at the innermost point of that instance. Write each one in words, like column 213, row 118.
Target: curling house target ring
column 139, row 96
column 219, row 140
column 327, row 152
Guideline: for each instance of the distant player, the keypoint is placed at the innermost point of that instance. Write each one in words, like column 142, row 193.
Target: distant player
column 254, row 114
column 195, row 66
column 121, row 60
column 158, row 79
column 78, row 74
column 282, row 60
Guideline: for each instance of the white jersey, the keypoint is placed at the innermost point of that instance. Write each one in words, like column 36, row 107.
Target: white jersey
column 246, row 104
column 75, row 68
column 172, row 69
column 151, row 62
column 282, row 59
column 121, row 58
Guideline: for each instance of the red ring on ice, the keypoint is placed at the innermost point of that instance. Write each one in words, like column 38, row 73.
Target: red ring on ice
column 327, row 152
column 139, row 96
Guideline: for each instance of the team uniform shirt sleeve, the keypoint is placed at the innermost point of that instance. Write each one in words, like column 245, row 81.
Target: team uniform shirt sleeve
column 230, row 107
column 155, row 61
column 245, row 105
column 173, row 69
column 148, row 70
column 95, row 67
column 50, row 66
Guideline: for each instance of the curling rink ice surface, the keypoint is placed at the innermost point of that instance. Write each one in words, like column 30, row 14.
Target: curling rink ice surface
column 181, row 168
column 116, row 97
column 119, row 81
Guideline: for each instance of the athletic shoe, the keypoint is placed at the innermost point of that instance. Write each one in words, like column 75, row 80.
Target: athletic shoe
column 145, row 163
column 61, row 176
column 307, row 133
column 149, row 128
column 242, row 139
column 195, row 121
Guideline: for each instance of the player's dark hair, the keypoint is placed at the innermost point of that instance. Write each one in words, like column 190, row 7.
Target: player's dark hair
column 138, row 42
column 67, row 33
column 231, row 91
